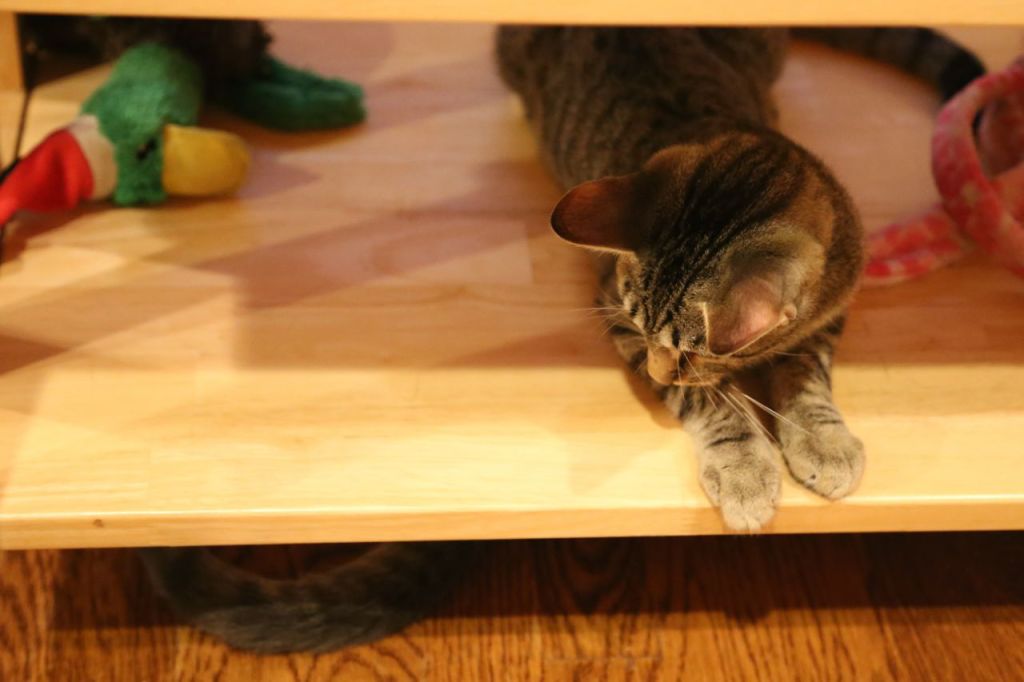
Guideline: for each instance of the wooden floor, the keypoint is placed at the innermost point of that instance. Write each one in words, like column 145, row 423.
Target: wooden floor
column 843, row 608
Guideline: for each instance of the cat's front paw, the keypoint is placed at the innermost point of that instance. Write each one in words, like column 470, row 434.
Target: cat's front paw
column 828, row 459
column 743, row 482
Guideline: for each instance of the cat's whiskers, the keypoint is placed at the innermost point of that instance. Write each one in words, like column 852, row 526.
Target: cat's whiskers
column 741, row 411
column 610, row 323
column 607, row 329
column 751, row 418
column 596, row 309
column 772, row 412
column 710, row 396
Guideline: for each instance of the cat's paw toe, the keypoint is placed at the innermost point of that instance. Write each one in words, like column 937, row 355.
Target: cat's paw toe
column 829, row 460
column 744, row 488
column 749, row 514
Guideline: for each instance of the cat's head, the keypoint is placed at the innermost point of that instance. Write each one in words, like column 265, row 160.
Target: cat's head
column 729, row 250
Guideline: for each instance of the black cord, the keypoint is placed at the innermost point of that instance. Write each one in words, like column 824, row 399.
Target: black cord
column 30, row 71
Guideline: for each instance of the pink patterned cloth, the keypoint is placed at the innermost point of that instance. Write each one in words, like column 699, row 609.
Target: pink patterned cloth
column 974, row 208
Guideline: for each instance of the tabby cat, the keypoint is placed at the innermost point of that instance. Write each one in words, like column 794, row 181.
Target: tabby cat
column 727, row 249
column 730, row 249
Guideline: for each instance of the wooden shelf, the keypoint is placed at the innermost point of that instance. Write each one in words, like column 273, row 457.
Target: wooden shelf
column 743, row 12
column 379, row 339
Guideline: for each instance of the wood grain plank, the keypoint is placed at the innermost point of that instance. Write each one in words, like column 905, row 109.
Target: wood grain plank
column 12, row 76
column 12, row 87
column 70, row 615
column 380, row 338
column 743, row 12
column 830, row 609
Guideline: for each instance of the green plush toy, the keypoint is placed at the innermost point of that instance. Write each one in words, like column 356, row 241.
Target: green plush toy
column 136, row 141
column 286, row 98
column 152, row 92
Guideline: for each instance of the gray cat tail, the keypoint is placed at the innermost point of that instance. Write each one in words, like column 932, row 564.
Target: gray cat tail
column 922, row 52
column 372, row 596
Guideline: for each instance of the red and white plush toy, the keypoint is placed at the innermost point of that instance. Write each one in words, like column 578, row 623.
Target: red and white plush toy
column 975, row 208
column 72, row 165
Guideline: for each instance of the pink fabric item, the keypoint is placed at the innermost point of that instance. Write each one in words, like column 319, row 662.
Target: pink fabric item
column 974, row 207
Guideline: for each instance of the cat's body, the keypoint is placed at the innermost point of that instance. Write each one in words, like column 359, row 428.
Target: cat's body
column 602, row 101
column 734, row 250
column 730, row 250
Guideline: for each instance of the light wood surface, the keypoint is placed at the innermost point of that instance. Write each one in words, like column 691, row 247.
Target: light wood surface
column 12, row 85
column 380, row 339
column 744, row 12
column 841, row 608
column 11, row 76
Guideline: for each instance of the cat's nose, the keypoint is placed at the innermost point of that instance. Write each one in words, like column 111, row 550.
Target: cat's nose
column 692, row 371
column 663, row 364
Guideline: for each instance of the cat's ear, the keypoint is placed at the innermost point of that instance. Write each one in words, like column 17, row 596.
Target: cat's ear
column 598, row 214
column 753, row 307
column 764, row 287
